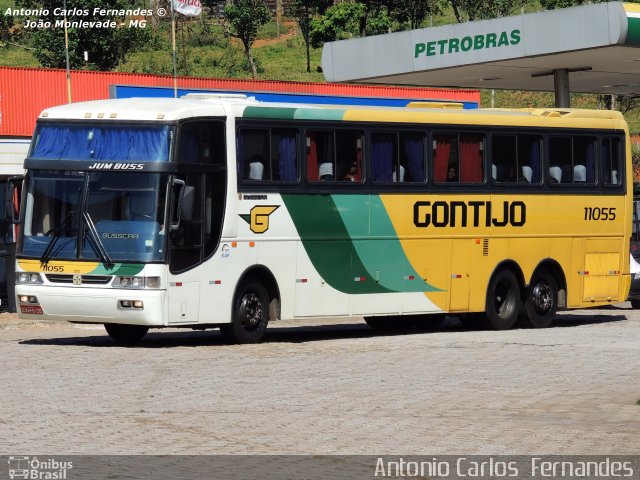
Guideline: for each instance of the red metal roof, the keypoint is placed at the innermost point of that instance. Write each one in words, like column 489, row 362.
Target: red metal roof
column 25, row 92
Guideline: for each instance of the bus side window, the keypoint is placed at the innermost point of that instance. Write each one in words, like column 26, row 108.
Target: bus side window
column 611, row 161
column 560, row 160
column 384, row 158
column 504, row 161
column 458, row 158
column 284, row 155
column 202, row 142
column 334, row 155
column 412, row 157
column 252, row 152
column 584, row 159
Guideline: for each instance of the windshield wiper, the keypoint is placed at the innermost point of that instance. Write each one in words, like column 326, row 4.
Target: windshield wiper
column 96, row 241
column 46, row 255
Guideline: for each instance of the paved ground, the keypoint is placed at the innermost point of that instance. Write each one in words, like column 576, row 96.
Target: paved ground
column 325, row 387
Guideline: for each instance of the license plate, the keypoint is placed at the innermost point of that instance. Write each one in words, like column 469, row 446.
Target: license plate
column 31, row 309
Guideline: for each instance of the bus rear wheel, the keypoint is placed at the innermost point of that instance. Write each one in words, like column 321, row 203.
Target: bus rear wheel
column 542, row 301
column 250, row 314
column 503, row 301
column 126, row 333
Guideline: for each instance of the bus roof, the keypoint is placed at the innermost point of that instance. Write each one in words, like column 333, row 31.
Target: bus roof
column 171, row 109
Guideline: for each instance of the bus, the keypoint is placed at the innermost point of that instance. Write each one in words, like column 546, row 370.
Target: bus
column 222, row 212
column 13, row 151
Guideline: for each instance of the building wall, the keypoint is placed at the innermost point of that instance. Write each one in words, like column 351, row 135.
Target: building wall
column 25, row 92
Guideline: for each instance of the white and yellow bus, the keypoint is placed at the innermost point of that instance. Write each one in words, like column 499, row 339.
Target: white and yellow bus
column 225, row 212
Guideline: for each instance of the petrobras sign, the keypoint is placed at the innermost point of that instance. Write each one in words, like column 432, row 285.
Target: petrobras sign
column 472, row 42
column 483, row 41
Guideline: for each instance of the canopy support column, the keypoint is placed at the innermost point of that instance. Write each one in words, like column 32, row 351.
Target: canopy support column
column 561, row 87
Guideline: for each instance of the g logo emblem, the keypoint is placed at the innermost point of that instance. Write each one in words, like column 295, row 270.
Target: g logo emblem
column 258, row 218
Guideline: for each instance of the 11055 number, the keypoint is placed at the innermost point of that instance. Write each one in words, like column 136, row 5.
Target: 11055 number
column 598, row 213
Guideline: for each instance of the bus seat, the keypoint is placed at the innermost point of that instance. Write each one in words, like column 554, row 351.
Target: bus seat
column 555, row 173
column 614, row 177
column 401, row 174
column 325, row 171
column 527, row 172
column 256, row 170
column 494, row 172
column 580, row 173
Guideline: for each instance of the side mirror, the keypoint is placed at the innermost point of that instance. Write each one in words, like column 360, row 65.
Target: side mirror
column 178, row 196
column 12, row 198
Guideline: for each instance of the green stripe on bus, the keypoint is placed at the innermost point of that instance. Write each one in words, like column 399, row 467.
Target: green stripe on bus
column 119, row 269
column 633, row 31
column 328, row 244
column 319, row 114
column 285, row 113
column 269, row 112
column 377, row 245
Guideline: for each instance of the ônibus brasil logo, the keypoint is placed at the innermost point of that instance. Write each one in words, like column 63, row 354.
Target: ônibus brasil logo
column 34, row 468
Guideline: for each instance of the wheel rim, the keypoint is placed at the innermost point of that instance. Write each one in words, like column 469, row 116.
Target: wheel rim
column 504, row 299
column 251, row 311
column 542, row 297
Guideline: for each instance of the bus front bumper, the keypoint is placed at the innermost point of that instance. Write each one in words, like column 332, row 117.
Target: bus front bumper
column 92, row 305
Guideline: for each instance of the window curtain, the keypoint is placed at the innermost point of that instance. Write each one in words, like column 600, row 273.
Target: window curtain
column 441, row 158
column 82, row 142
column 414, row 152
column 287, row 163
column 382, row 157
column 312, row 158
column 534, row 161
column 470, row 158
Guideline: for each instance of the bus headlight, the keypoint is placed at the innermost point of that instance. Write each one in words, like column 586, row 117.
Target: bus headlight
column 137, row 282
column 28, row 278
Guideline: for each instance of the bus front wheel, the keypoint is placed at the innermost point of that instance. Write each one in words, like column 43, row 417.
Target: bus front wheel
column 126, row 333
column 250, row 314
column 503, row 301
column 542, row 301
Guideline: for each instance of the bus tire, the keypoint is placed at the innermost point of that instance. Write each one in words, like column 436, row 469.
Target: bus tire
column 541, row 303
column 250, row 314
column 503, row 301
column 635, row 303
column 126, row 333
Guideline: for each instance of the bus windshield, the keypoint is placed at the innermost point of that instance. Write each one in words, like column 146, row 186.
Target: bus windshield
column 104, row 216
column 113, row 142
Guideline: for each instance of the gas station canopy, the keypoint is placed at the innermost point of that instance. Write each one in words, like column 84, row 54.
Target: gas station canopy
column 589, row 49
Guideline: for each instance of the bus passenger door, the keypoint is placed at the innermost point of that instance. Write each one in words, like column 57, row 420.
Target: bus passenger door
column 459, row 284
column 185, row 250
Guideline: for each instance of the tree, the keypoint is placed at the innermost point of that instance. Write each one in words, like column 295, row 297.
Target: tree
column 245, row 18
column 349, row 19
column 106, row 46
column 6, row 25
column 302, row 10
column 413, row 12
column 553, row 4
column 481, row 9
